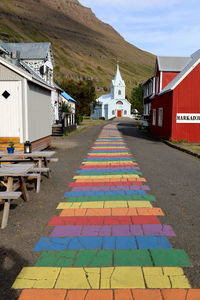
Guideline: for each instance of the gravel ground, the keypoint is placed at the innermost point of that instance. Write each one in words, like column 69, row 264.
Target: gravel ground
column 28, row 221
column 172, row 175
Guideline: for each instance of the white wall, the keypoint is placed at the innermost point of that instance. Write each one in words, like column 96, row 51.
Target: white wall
column 10, row 109
column 39, row 112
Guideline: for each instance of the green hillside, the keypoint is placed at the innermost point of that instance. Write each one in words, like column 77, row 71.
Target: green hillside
column 83, row 46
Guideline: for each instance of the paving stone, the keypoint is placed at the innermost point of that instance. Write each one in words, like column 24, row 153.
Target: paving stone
column 44, row 294
column 139, row 204
column 179, row 282
column 56, row 259
column 66, row 231
column 147, row 294
column 126, row 277
column 145, row 220
column 126, row 242
column 153, row 242
column 159, row 281
column 150, row 211
column 46, row 244
column 98, row 295
column 174, row 294
column 170, row 257
column 77, row 294
column 193, row 294
column 132, row 258
column 157, row 229
column 123, row 294
column 36, row 277
column 78, row 278
column 86, row 258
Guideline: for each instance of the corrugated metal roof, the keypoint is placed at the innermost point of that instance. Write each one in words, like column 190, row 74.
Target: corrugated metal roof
column 17, row 67
column 67, row 96
column 57, row 86
column 195, row 57
column 172, row 63
column 28, row 50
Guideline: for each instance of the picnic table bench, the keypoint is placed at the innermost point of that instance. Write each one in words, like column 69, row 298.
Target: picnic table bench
column 7, row 197
column 39, row 158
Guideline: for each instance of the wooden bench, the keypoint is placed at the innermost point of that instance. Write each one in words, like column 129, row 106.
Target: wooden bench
column 52, row 159
column 36, row 176
column 41, row 170
column 7, row 197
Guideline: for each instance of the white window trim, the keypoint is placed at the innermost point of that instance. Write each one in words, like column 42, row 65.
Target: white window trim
column 154, row 117
column 160, row 117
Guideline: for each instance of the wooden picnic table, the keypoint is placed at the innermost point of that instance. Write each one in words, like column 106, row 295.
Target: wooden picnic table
column 40, row 158
column 10, row 172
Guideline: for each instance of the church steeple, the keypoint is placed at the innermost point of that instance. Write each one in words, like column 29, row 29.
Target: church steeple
column 118, row 78
column 118, row 86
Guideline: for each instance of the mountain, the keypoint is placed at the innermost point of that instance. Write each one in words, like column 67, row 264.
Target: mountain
column 83, row 46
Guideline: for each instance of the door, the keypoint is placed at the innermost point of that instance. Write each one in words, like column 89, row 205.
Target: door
column 10, row 93
column 106, row 111
column 119, row 113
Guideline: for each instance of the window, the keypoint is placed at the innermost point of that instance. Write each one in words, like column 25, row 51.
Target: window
column 154, row 117
column 119, row 92
column 119, row 103
column 160, row 117
column 113, row 112
column 125, row 112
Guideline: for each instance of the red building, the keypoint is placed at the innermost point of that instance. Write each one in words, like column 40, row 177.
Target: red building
column 172, row 98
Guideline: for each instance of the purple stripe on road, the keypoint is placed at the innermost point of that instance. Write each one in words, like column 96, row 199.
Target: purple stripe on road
column 111, row 188
column 112, row 230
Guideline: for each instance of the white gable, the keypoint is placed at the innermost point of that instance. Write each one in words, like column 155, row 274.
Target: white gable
column 118, row 86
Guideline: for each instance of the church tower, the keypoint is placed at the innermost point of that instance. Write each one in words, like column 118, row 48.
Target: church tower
column 118, row 86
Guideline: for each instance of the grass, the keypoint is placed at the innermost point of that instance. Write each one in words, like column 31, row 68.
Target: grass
column 91, row 122
column 192, row 147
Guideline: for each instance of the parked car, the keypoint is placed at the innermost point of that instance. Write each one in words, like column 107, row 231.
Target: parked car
column 144, row 122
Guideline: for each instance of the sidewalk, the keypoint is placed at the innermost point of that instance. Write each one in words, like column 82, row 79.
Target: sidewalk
column 108, row 242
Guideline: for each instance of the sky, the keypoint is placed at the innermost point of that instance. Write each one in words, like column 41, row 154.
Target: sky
column 162, row 27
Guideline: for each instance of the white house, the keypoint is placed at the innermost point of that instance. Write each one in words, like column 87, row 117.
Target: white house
column 25, row 107
column 114, row 104
column 71, row 103
column 37, row 59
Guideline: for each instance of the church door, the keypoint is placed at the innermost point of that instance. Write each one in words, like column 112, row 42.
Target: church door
column 119, row 113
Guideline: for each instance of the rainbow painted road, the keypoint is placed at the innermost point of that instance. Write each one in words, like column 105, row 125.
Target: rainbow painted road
column 108, row 242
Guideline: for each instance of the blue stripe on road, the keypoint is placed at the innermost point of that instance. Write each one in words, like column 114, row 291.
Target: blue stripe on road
column 106, row 243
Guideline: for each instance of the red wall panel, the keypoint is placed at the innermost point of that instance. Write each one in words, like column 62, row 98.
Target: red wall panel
column 186, row 99
column 165, row 102
column 167, row 77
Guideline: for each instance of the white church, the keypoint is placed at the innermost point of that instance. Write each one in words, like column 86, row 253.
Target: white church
column 114, row 104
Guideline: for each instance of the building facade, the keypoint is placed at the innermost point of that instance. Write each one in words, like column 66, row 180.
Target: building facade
column 172, row 98
column 114, row 104
column 25, row 108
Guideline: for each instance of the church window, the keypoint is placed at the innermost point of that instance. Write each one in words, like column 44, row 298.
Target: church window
column 125, row 112
column 119, row 103
column 119, row 92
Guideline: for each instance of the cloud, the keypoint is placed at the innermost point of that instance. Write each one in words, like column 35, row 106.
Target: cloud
column 169, row 27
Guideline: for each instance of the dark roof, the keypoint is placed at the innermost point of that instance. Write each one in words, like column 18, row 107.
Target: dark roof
column 172, row 63
column 28, row 50
column 194, row 59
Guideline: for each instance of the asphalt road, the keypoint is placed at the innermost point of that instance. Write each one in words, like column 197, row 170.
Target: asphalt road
column 173, row 177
